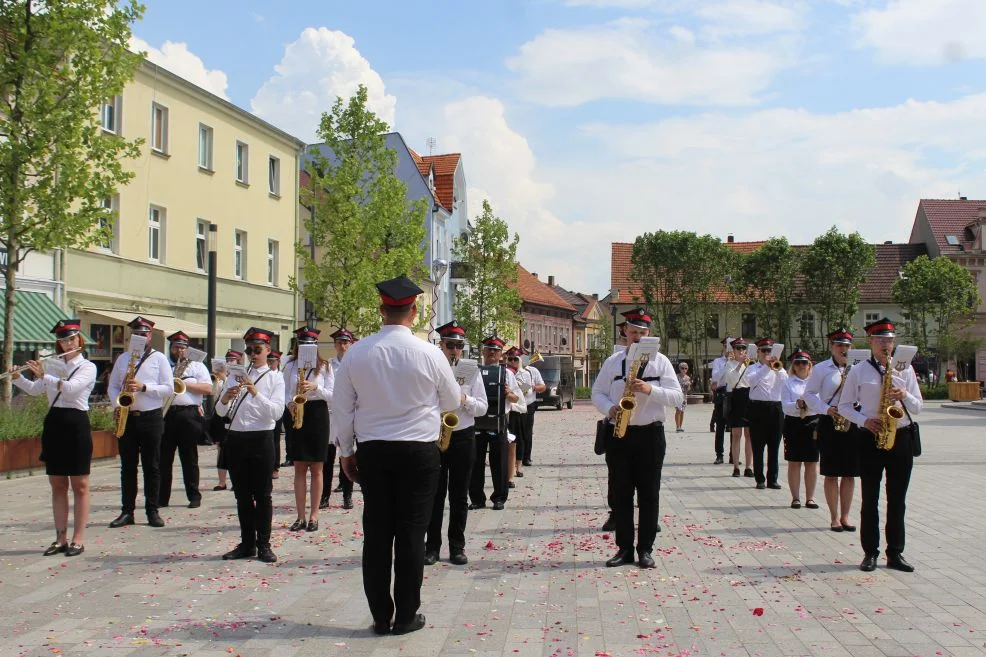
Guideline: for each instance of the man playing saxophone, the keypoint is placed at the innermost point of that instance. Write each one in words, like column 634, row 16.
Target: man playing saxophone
column 865, row 386
column 150, row 385
column 636, row 460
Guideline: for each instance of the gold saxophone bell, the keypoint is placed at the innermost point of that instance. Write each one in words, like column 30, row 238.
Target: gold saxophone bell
column 299, row 399
column 449, row 422
column 179, row 386
column 536, row 357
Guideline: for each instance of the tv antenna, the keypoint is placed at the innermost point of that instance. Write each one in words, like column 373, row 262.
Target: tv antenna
column 431, row 142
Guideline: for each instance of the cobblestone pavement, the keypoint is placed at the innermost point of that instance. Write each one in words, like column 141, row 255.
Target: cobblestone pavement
column 739, row 572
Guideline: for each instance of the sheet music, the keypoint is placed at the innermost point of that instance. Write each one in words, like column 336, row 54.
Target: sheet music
column 237, row 372
column 193, row 354
column 903, row 355
column 137, row 343
column 648, row 345
column 856, row 356
column 218, row 365
column 751, row 353
column 776, row 350
column 308, row 356
column 465, row 370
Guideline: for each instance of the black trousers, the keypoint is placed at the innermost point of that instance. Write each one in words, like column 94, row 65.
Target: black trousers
column 285, row 423
column 719, row 419
column 345, row 482
column 327, row 466
column 497, row 447
column 183, row 430
column 453, row 480
column 528, row 432
column 399, row 479
column 278, row 430
column 897, row 463
column 766, row 427
column 635, row 463
column 517, row 425
column 249, row 458
column 141, row 444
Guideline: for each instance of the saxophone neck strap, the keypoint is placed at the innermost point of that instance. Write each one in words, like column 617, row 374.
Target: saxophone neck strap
column 141, row 361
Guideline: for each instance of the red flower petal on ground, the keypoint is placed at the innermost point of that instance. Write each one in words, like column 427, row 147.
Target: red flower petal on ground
column 758, row 611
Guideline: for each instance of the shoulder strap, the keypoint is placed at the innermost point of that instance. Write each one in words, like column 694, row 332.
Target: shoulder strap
column 60, row 392
column 232, row 413
column 141, row 361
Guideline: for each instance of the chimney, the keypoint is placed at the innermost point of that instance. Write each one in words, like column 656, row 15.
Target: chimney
column 889, row 242
column 534, row 274
column 730, row 239
column 551, row 281
column 963, row 198
column 595, row 295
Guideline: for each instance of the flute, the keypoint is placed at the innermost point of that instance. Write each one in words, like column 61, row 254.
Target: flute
column 21, row 368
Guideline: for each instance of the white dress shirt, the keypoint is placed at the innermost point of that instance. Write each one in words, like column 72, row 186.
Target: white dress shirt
column 864, row 385
column 794, row 389
column 822, row 387
column 324, row 379
column 734, row 375
column 525, row 380
column 519, row 406
column 392, row 386
column 74, row 392
column 665, row 391
column 535, row 380
column 718, row 369
column 196, row 372
column 154, row 372
column 765, row 384
column 476, row 402
column 255, row 412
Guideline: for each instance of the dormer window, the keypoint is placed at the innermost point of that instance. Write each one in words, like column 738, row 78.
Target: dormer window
column 431, row 180
column 951, row 240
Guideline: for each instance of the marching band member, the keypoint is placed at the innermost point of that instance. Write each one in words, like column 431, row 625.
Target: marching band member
column 800, row 445
column 517, row 419
column 765, row 413
column 718, row 424
column 141, row 440
column 389, row 396
column 838, row 451
column 737, row 401
column 530, row 398
column 310, row 441
column 864, row 387
column 183, row 425
column 341, row 341
column 66, row 442
column 636, row 460
column 457, row 460
column 274, row 363
column 252, row 406
column 610, row 524
column 218, row 428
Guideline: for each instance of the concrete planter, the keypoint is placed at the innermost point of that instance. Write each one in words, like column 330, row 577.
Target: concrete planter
column 963, row 390
column 25, row 453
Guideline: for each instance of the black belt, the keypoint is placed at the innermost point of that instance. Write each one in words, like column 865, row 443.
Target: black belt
column 147, row 413
column 185, row 407
column 764, row 401
column 655, row 423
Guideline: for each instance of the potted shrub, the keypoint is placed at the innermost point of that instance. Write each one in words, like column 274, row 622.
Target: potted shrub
column 20, row 433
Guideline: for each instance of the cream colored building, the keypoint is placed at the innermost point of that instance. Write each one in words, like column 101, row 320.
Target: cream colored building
column 204, row 161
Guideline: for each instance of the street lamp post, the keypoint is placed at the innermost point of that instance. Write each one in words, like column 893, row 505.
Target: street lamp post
column 211, row 325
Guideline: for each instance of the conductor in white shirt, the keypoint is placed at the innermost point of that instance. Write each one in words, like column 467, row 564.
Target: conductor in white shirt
column 389, row 395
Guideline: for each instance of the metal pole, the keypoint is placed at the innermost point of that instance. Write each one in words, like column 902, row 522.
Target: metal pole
column 211, row 326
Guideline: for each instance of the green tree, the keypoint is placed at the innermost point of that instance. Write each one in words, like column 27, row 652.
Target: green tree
column 362, row 226
column 61, row 61
column 767, row 279
column 489, row 300
column 834, row 267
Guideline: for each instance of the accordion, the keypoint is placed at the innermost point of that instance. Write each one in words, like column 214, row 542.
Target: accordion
column 494, row 379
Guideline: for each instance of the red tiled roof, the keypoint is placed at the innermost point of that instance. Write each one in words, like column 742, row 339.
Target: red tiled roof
column 532, row 290
column 951, row 217
column 423, row 167
column 445, row 166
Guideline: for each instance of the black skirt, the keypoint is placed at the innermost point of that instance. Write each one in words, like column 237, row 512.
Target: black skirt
column 66, row 442
column 799, row 439
column 738, row 402
column 839, row 450
column 311, row 441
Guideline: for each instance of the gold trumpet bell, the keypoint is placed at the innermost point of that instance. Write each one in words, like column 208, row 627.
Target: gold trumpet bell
column 776, row 365
column 536, row 357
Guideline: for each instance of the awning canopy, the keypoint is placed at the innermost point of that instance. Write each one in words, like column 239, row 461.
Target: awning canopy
column 34, row 316
column 163, row 323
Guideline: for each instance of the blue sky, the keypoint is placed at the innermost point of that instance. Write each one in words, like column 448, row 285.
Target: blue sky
column 591, row 121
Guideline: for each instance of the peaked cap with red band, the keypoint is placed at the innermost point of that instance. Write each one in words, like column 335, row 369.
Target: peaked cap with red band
column 399, row 291
column 739, row 343
column 882, row 328
column 274, row 355
column 493, row 342
column 801, row 355
column 66, row 328
column 513, row 352
column 307, row 335
column 637, row 317
column 258, row 335
column 232, row 353
column 764, row 342
column 140, row 324
column 343, row 334
column 179, row 338
column 451, row 331
column 840, row 336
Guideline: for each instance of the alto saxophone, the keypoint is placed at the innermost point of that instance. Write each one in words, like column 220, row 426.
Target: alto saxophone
column 177, row 383
column 889, row 412
column 449, row 421
column 126, row 399
column 299, row 399
column 628, row 402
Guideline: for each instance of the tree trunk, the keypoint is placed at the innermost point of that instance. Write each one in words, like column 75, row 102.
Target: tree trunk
column 10, row 276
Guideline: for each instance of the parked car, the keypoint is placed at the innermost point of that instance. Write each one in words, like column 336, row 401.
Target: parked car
column 558, row 373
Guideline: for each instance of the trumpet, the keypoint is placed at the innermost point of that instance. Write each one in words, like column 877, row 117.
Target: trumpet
column 21, row 368
column 776, row 365
column 536, row 357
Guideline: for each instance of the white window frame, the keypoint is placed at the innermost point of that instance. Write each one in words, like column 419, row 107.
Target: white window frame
column 206, row 135
column 202, row 244
column 239, row 254
column 241, row 162
column 114, row 106
column 274, row 175
column 159, row 145
column 157, row 218
column 114, row 207
column 272, row 256
column 871, row 316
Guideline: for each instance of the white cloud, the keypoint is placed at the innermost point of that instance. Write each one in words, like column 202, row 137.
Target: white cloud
column 738, row 18
column 318, row 67
column 177, row 58
column 924, row 31
column 632, row 59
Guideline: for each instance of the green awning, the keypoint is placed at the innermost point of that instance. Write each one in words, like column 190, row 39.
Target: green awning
column 34, row 315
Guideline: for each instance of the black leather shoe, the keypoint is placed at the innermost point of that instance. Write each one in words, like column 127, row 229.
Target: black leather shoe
column 122, row 519
column 266, row 555
column 646, row 560
column 748, row 472
column 519, row 474
column 413, row 626
column 347, row 502
column 761, row 486
column 458, row 559
column 219, row 487
column 473, row 506
column 74, row 550
column 312, row 526
column 718, row 461
column 736, row 472
column 338, row 489
column 323, row 503
column 610, row 524
column 55, row 548
column 528, row 463
column 194, row 504
column 897, row 562
column 498, row 506
column 154, row 519
column 431, row 557
column 620, row 558
column 287, row 464
column 848, row 528
column 869, row 563
column 298, row 525
column 774, row 486
column 380, row 627
column 511, row 484
column 240, row 552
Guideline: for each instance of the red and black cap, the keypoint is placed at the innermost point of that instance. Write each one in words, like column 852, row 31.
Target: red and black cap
column 494, row 343
column 232, row 353
column 882, row 328
column 840, row 336
column 739, row 343
column 344, row 335
column 637, row 317
column 256, row 335
column 179, row 338
column 512, row 352
column 66, row 328
column 452, row 331
column 307, row 335
column 274, row 355
column 801, row 356
column 140, row 325
column 763, row 343
column 399, row 291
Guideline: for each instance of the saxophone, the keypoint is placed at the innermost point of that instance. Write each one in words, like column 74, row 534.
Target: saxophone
column 889, row 412
column 299, row 399
column 126, row 399
column 449, row 420
column 178, row 383
column 628, row 402
column 840, row 423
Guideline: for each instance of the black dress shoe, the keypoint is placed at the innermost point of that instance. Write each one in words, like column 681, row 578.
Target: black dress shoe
column 431, row 557
column 298, row 525
column 473, row 506
column 761, row 486
column 458, row 558
column 897, row 562
column 848, row 528
column 380, row 627
column 498, row 506
column 748, row 472
column 74, row 550
column 736, row 472
column 869, row 563
column 519, row 474
column 240, row 552
column 194, row 504
column 55, row 548
column 620, row 558
column 122, row 519
column 413, row 626
column 219, row 487
column 774, row 486
column 323, row 503
column 154, row 519
column 312, row 526
column 347, row 502
column 718, row 461
column 338, row 489
column 511, row 484
column 265, row 554
column 610, row 524
column 287, row 464
column 528, row 463
column 646, row 560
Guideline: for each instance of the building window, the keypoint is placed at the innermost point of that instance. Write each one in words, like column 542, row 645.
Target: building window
column 578, row 342
column 205, row 147
column 110, row 223
column 807, row 325
column 272, row 262
column 674, row 326
column 159, row 128
column 748, row 328
column 239, row 254
column 872, row 317
column 242, row 163
column 201, row 242
column 274, row 175
column 110, row 114
column 155, row 233
column 712, row 326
